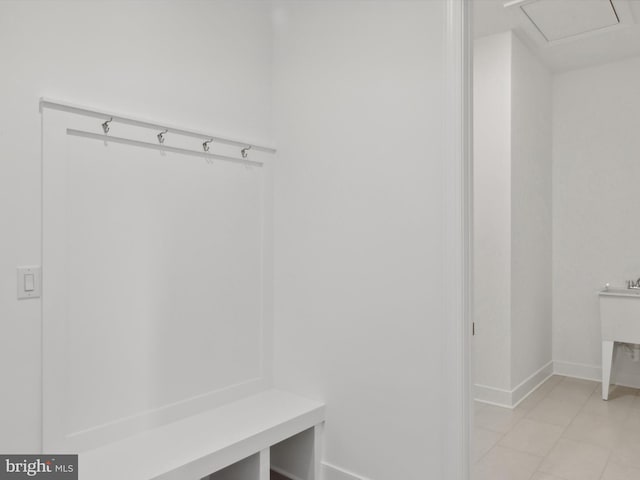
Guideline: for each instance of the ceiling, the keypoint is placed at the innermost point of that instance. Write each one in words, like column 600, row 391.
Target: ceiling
column 490, row 16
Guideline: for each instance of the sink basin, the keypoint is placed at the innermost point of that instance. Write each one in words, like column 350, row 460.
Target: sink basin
column 620, row 322
column 624, row 292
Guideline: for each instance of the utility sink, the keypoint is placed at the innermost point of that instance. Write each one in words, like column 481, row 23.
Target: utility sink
column 620, row 322
column 621, row 292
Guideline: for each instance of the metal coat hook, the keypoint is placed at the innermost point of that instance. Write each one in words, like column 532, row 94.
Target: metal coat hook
column 245, row 151
column 105, row 125
column 205, row 145
column 161, row 136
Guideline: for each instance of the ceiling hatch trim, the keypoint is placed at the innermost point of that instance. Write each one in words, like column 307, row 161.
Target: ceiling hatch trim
column 554, row 22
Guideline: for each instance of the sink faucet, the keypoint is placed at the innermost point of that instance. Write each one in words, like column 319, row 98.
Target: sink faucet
column 633, row 285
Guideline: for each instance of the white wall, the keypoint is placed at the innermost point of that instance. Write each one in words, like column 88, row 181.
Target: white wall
column 594, row 220
column 200, row 64
column 512, row 219
column 361, row 199
column 492, row 210
column 531, row 119
column 596, row 175
column 359, row 251
column 153, row 267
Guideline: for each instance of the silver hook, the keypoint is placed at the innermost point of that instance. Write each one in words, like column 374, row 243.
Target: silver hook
column 205, row 145
column 105, row 125
column 245, row 151
column 161, row 136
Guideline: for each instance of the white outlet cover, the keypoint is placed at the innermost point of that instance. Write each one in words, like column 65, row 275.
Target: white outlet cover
column 23, row 274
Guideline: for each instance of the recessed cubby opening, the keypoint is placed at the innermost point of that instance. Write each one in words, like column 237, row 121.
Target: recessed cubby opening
column 246, row 469
column 277, row 476
column 293, row 458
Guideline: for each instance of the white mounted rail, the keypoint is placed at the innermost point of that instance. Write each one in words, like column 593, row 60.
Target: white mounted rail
column 154, row 146
column 160, row 126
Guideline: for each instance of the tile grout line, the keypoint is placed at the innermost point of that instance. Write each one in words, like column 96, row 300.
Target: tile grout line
column 604, row 469
column 563, row 431
column 608, row 417
column 565, row 428
column 524, row 416
column 606, row 465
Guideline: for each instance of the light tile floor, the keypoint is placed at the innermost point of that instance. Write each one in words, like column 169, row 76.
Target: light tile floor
column 562, row 431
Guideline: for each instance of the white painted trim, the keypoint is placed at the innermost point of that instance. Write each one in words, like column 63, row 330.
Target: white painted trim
column 492, row 396
column 512, row 398
column 156, row 146
column 458, row 234
column 594, row 372
column 264, row 464
column 139, row 122
column 621, row 7
column 331, row 472
column 577, row 370
column 318, row 449
column 531, row 384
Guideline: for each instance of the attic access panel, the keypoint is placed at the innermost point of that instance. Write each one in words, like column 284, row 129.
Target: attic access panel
column 558, row 21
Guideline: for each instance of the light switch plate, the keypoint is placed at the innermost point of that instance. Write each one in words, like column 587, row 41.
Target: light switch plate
column 29, row 282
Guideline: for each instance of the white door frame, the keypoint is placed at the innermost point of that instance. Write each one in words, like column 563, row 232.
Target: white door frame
column 458, row 232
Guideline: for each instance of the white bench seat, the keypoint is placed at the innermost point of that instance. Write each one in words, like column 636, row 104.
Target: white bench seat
column 194, row 447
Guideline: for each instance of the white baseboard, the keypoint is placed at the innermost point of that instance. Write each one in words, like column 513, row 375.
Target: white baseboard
column 594, row 372
column 577, row 370
column 625, row 380
column 530, row 384
column 331, row 472
column 492, row 395
column 511, row 398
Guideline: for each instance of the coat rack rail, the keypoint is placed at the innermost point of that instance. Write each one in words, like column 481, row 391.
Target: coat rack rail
column 110, row 118
column 160, row 147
